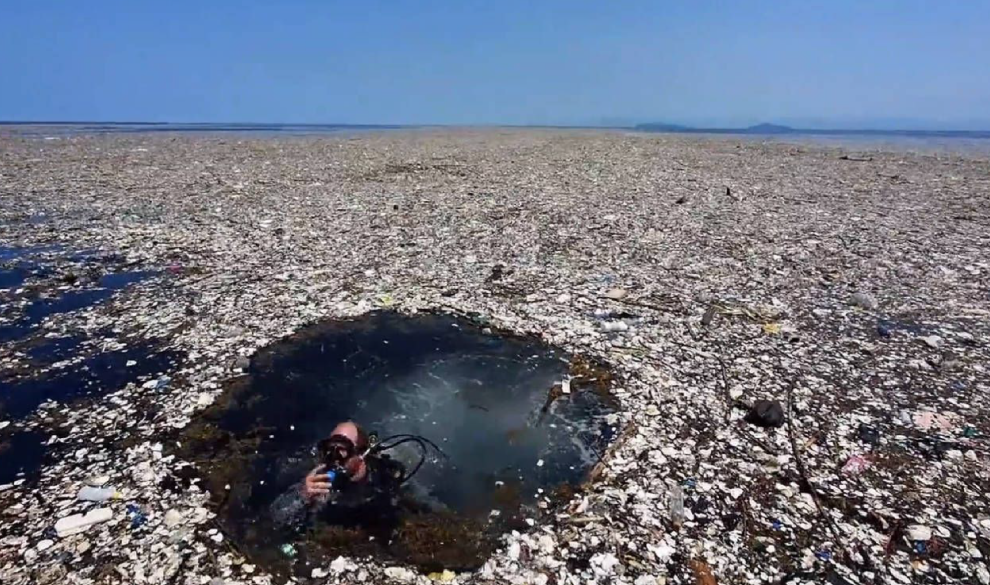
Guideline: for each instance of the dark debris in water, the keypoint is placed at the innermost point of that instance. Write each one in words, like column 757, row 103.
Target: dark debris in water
column 479, row 396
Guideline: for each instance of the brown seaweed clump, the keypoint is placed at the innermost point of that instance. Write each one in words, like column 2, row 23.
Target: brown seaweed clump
column 586, row 373
column 438, row 541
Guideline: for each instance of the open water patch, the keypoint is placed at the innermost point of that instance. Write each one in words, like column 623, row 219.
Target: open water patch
column 8, row 253
column 21, row 456
column 17, row 265
column 517, row 422
column 14, row 275
column 41, row 281
column 92, row 376
column 39, row 364
column 50, row 350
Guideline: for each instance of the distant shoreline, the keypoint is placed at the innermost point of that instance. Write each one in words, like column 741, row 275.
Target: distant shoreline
column 769, row 130
column 777, row 130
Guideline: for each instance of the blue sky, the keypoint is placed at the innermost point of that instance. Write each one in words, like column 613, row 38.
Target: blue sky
column 836, row 63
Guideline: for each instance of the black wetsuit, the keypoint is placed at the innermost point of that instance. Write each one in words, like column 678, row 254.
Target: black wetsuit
column 377, row 493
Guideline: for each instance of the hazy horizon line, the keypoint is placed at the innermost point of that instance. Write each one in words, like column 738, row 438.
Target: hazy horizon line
column 922, row 127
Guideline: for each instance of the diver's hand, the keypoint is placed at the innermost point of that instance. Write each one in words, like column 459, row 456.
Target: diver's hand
column 316, row 483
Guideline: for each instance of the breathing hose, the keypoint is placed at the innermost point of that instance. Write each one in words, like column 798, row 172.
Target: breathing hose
column 394, row 441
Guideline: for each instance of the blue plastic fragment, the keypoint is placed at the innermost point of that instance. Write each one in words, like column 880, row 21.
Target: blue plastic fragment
column 138, row 518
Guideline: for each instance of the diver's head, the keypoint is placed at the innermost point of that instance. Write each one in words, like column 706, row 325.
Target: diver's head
column 345, row 449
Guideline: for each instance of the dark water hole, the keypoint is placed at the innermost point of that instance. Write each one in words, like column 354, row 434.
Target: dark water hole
column 21, row 455
column 885, row 327
column 484, row 398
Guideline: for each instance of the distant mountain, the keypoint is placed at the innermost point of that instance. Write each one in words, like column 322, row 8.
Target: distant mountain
column 764, row 128
column 769, row 129
column 779, row 129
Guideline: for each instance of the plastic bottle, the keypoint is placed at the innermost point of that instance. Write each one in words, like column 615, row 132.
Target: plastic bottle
column 677, row 506
column 97, row 494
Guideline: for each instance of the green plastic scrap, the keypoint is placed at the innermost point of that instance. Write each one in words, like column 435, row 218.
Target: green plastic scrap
column 288, row 550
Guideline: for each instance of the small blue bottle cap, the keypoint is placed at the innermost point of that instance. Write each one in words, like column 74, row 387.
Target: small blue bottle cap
column 331, row 475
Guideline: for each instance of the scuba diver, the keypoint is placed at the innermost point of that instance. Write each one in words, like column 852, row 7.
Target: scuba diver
column 343, row 462
column 354, row 473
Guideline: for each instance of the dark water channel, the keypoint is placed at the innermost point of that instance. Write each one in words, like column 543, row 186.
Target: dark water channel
column 37, row 282
column 481, row 397
column 21, row 455
column 37, row 364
